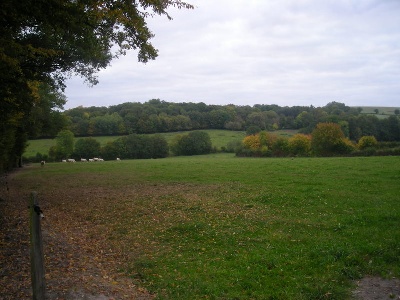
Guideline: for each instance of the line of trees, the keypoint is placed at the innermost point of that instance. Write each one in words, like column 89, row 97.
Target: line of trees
column 327, row 139
column 132, row 146
column 157, row 116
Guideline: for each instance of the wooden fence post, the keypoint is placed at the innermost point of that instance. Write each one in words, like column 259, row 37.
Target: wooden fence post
column 37, row 258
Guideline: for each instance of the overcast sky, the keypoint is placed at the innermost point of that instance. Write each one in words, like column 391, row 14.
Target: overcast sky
column 246, row 52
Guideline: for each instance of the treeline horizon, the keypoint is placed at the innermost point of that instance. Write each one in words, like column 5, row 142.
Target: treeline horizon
column 157, row 116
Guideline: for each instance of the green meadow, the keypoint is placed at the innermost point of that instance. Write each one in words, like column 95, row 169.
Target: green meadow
column 42, row 146
column 379, row 112
column 221, row 227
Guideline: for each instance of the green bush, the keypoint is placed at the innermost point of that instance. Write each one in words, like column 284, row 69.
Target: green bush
column 193, row 143
column 135, row 146
column 112, row 150
column 300, row 145
column 232, row 146
column 344, row 146
column 37, row 158
column 86, row 148
column 280, row 147
column 327, row 139
column 367, row 142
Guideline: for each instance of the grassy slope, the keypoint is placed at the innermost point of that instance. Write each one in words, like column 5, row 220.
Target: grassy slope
column 221, row 227
column 383, row 112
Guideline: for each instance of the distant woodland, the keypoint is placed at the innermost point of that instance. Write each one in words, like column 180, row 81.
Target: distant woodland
column 157, row 116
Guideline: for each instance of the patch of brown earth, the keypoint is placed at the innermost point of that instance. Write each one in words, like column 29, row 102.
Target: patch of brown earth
column 76, row 266
column 376, row 288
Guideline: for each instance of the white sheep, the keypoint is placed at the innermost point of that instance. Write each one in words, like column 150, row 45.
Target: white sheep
column 64, row 160
column 118, row 158
column 83, row 160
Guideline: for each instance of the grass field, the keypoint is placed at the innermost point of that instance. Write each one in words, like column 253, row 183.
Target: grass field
column 219, row 138
column 43, row 145
column 221, row 227
column 383, row 112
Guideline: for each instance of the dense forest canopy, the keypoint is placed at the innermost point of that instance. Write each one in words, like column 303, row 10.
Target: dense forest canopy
column 157, row 116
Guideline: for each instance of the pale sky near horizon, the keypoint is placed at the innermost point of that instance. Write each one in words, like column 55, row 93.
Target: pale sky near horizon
column 246, row 52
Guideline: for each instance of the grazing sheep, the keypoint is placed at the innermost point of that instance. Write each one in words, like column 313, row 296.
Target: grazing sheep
column 71, row 160
column 100, row 159
column 42, row 163
column 83, row 160
column 118, row 158
column 91, row 159
column 95, row 158
column 64, row 160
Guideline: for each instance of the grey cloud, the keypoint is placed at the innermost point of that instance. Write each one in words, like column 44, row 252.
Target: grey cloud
column 246, row 52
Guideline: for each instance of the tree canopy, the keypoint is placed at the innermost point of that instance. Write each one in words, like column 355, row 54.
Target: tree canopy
column 46, row 41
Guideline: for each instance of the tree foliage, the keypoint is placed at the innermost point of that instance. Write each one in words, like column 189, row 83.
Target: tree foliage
column 367, row 142
column 252, row 142
column 263, row 144
column 193, row 143
column 135, row 146
column 328, row 139
column 300, row 144
column 45, row 41
column 156, row 116
column 45, row 117
column 87, row 148
column 64, row 147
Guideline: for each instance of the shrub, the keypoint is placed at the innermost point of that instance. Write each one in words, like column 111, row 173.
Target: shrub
column 37, row 158
column 64, row 145
column 135, row 146
column 300, row 144
column 280, row 147
column 87, row 147
column 232, row 146
column 194, row 143
column 160, row 147
column 267, row 139
column 327, row 139
column 367, row 142
column 262, row 144
column 252, row 142
column 344, row 146
column 114, row 149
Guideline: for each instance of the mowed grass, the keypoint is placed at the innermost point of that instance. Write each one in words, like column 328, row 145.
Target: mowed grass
column 221, row 227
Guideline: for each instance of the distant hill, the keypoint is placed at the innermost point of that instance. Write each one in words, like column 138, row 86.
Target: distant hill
column 379, row 111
